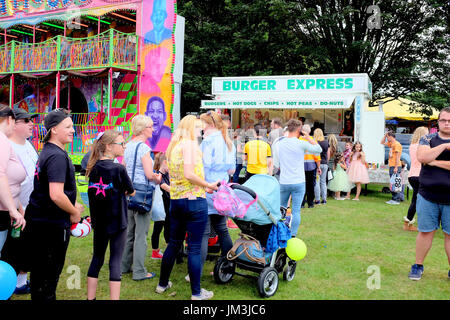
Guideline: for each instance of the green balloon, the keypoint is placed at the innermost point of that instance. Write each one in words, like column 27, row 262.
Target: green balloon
column 296, row 249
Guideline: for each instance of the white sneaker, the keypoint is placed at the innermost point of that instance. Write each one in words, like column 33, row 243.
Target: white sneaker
column 187, row 278
column 392, row 202
column 204, row 295
column 341, row 199
column 160, row 289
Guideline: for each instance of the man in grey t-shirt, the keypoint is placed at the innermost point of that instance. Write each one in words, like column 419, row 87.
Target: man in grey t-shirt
column 277, row 130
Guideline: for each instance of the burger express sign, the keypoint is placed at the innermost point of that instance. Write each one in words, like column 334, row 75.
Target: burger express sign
column 292, row 84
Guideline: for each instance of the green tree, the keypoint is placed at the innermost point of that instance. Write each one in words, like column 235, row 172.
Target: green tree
column 407, row 54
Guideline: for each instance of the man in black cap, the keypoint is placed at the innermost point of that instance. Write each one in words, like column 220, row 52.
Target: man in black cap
column 52, row 207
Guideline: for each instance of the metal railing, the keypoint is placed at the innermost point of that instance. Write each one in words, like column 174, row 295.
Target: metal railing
column 39, row 56
column 86, row 126
column 111, row 48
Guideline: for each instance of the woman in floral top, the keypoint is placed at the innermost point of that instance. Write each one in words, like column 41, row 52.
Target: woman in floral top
column 188, row 207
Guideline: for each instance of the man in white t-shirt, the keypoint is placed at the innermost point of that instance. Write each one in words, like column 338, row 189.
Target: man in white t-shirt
column 290, row 152
column 28, row 156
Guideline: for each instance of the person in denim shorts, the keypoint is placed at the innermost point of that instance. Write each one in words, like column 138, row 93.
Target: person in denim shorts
column 433, row 200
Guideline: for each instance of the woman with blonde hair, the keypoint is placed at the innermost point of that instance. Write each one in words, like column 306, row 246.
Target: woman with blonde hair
column 333, row 146
column 188, row 206
column 413, row 177
column 139, row 223
column 219, row 154
column 320, row 188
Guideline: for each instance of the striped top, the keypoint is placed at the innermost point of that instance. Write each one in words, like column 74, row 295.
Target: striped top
column 310, row 158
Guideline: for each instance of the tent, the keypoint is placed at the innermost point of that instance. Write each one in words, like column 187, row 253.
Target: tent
column 399, row 109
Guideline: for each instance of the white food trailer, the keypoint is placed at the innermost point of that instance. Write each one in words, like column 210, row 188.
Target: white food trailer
column 320, row 99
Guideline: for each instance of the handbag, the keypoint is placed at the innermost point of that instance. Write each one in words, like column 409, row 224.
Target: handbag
column 158, row 211
column 228, row 204
column 143, row 199
column 330, row 175
column 248, row 249
column 396, row 183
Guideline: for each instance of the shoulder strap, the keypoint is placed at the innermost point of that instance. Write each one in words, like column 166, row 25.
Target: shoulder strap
column 134, row 163
column 33, row 147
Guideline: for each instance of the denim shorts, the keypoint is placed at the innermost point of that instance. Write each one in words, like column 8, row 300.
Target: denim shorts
column 431, row 215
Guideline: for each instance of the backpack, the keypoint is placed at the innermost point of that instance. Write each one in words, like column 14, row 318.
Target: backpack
column 227, row 203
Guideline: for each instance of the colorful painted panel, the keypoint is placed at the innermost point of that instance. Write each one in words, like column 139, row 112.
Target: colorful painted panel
column 11, row 7
column 157, row 60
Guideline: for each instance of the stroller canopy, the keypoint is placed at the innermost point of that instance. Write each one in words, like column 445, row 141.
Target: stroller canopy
column 268, row 190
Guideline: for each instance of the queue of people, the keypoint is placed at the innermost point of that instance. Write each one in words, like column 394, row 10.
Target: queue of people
column 39, row 192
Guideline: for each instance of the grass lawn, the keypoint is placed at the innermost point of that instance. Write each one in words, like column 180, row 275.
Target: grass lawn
column 344, row 238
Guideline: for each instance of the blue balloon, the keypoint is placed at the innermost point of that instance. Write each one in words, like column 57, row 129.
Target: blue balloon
column 8, row 280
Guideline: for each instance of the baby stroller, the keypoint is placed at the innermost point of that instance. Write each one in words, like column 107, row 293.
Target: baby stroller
column 257, row 223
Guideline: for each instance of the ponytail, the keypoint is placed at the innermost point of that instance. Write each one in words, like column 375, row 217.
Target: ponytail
column 95, row 156
column 213, row 118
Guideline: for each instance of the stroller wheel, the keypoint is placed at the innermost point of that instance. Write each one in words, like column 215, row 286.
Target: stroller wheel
column 268, row 282
column 289, row 272
column 224, row 270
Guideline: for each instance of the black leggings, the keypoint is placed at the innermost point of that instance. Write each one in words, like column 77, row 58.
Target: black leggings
column 116, row 247
column 157, row 228
column 414, row 182
column 310, row 179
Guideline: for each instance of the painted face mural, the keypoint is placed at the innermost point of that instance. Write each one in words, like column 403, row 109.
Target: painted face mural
column 155, row 110
column 157, row 58
column 158, row 17
column 155, row 65
column 161, row 133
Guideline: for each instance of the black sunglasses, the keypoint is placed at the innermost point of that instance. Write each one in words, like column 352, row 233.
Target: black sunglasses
column 7, row 112
column 26, row 120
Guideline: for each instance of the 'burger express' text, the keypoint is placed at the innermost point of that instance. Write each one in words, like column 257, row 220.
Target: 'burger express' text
column 287, row 84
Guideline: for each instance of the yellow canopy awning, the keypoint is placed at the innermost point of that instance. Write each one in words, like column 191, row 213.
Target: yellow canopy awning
column 399, row 109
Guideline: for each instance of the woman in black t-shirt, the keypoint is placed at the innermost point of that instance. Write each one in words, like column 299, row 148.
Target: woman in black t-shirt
column 109, row 185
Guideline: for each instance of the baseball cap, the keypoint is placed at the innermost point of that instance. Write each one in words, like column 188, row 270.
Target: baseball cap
column 22, row 114
column 54, row 118
column 6, row 112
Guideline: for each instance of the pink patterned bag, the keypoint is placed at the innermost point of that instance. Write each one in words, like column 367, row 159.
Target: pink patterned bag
column 227, row 203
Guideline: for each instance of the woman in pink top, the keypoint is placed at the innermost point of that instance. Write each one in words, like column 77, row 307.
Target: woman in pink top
column 12, row 173
column 413, row 177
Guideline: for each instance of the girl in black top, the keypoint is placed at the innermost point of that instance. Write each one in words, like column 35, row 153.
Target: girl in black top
column 109, row 185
